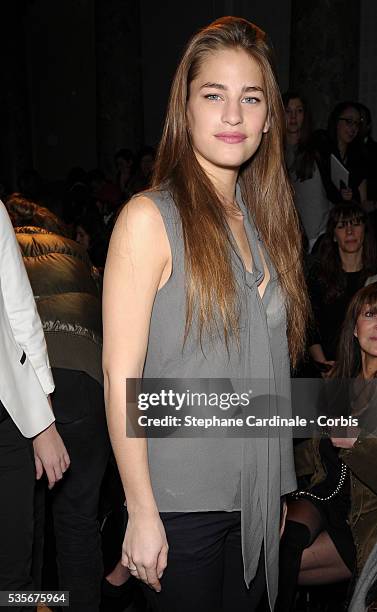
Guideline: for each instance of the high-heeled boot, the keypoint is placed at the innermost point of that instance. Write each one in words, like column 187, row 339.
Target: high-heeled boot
column 296, row 537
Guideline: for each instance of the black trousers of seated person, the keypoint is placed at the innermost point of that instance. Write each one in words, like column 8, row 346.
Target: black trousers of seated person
column 17, row 478
column 80, row 419
column 205, row 569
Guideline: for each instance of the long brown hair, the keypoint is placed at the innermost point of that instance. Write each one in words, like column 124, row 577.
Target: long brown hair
column 305, row 154
column 264, row 184
column 348, row 364
column 330, row 273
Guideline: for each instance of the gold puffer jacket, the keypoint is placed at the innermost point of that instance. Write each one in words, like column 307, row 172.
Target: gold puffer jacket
column 67, row 297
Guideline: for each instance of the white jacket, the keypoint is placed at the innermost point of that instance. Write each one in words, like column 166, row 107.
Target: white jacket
column 25, row 374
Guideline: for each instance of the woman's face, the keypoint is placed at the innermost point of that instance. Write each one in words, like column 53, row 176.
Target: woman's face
column 366, row 330
column 349, row 234
column 226, row 110
column 295, row 114
column 347, row 126
column 82, row 237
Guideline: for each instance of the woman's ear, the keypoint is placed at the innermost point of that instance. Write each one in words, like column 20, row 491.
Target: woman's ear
column 266, row 126
column 355, row 332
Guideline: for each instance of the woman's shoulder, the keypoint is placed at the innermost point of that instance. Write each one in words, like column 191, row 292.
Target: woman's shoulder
column 161, row 195
column 138, row 220
column 145, row 219
column 157, row 199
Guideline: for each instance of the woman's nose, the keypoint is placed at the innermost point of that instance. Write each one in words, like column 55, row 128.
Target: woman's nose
column 232, row 112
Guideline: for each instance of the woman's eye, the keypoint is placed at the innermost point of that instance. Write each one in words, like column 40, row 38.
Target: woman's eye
column 251, row 100
column 369, row 314
column 212, row 97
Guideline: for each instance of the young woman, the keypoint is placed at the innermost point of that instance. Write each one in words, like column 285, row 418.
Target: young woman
column 344, row 142
column 347, row 257
column 203, row 280
column 332, row 525
column 303, row 166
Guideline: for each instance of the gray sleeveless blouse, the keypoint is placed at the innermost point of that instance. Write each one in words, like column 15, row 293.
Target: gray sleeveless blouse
column 206, row 474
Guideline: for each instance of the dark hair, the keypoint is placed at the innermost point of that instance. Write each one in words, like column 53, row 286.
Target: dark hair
column 330, row 272
column 91, row 222
column 366, row 120
column 303, row 165
column 138, row 181
column 337, row 111
column 25, row 212
column 349, row 353
column 96, row 175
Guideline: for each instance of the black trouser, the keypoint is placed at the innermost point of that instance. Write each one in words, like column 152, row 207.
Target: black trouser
column 80, row 419
column 205, row 569
column 17, row 478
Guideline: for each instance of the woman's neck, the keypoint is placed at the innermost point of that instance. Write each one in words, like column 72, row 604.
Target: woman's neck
column 223, row 179
column 293, row 138
column 369, row 365
column 351, row 262
column 342, row 148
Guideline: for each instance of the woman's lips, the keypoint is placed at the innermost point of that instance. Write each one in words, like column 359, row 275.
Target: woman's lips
column 231, row 137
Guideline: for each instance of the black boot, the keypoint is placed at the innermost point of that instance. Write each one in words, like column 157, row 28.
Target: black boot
column 296, row 537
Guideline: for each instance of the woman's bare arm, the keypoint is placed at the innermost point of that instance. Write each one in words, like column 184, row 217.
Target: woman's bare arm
column 138, row 263
column 316, row 352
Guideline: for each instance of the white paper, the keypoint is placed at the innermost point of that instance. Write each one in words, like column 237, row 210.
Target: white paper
column 339, row 174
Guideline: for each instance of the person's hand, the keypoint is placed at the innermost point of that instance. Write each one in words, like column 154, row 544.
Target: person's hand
column 145, row 548
column 283, row 517
column 329, row 363
column 346, row 194
column 343, row 442
column 50, row 455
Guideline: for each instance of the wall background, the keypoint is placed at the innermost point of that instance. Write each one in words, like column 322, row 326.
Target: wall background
column 368, row 56
column 83, row 78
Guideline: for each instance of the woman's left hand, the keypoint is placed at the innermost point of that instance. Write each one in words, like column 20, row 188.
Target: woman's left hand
column 50, row 455
column 343, row 442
